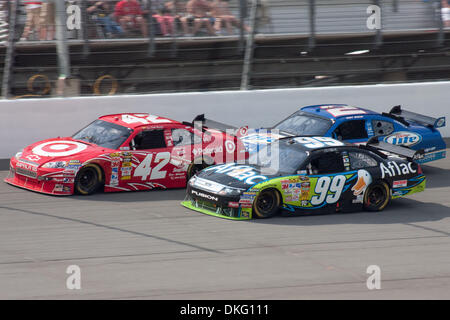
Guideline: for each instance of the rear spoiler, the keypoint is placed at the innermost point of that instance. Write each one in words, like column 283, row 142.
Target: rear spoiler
column 210, row 124
column 375, row 145
column 403, row 115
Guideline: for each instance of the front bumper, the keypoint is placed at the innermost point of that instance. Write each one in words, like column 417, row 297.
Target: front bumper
column 47, row 181
column 215, row 205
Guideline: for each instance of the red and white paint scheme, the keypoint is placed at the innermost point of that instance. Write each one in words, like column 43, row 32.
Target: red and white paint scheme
column 124, row 152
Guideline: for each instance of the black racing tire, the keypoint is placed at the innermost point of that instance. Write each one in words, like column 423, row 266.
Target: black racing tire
column 377, row 196
column 195, row 168
column 266, row 204
column 89, row 179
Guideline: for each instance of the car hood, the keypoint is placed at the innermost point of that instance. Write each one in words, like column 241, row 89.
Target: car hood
column 60, row 149
column 242, row 176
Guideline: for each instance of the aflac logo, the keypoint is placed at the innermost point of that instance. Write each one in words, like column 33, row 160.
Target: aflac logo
column 403, row 138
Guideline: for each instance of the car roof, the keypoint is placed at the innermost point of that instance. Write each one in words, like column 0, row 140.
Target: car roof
column 335, row 111
column 136, row 120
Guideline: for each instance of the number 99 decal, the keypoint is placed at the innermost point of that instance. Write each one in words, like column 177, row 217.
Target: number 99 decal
column 326, row 185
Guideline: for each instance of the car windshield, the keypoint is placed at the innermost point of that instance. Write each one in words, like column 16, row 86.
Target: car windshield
column 279, row 157
column 104, row 134
column 302, row 123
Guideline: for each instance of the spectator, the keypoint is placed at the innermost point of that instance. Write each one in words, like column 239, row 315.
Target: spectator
column 166, row 21
column 129, row 15
column 446, row 13
column 178, row 9
column 224, row 17
column 101, row 12
column 32, row 24
column 198, row 13
column 47, row 20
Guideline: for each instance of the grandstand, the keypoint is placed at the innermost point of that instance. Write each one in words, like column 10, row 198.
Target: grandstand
column 296, row 43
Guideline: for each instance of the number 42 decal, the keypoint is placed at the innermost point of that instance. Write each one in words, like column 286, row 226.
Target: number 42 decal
column 327, row 184
column 145, row 167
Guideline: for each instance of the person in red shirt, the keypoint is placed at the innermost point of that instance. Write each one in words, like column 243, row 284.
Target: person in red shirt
column 129, row 15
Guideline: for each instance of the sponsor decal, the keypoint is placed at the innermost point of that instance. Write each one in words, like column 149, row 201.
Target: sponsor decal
column 394, row 169
column 204, row 195
column 246, row 199
column 233, row 204
column 364, row 180
column 33, row 157
column 26, row 166
column 61, row 148
column 114, row 180
column 58, row 188
column 68, row 180
column 403, row 138
column 400, row 183
column 244, row 214
column 66, row 189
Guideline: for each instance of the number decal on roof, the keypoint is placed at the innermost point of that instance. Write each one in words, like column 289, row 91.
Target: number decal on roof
column 318, row 142
column 343, row 111
column 143, row 118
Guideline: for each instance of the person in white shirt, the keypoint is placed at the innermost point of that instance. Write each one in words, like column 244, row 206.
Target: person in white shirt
column 445, row 11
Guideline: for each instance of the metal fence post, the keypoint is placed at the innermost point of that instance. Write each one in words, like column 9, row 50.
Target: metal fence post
column 174, row 48
column 379, row 33
column 242, row 16
column 84, row 28
column 61, row 39
column 151, row 31
column 248, row 58
column 441, row 36
column 312, row 24
column 10, row 51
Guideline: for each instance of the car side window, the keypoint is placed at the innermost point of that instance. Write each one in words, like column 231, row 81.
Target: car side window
column 361, row 160
column 149, row 139
column 327, row 163
column 182, row 137
column 349, row 130
column 382, row 128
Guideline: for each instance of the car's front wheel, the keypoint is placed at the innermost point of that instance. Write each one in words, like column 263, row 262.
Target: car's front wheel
column 266, row 204
column 377, row 196
column 195, row 168
column 89, row 179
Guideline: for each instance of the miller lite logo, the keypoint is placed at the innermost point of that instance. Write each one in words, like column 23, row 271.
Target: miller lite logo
column 403, row 138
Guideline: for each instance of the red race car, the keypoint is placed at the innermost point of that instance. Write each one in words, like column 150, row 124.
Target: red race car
column 122, row 152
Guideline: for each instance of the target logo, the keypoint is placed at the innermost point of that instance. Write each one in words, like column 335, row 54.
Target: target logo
column 243, row 131
column 230, row 146
column 60, row 148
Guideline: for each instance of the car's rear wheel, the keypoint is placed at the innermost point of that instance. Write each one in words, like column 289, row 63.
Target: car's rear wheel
column 89, row 179
column 266, row 204
column 377, row 196
column 195, row 168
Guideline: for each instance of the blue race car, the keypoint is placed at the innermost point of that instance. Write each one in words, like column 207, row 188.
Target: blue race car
column 358, row 125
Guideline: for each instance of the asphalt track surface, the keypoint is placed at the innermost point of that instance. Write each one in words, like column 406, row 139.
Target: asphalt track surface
column 145, row 245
